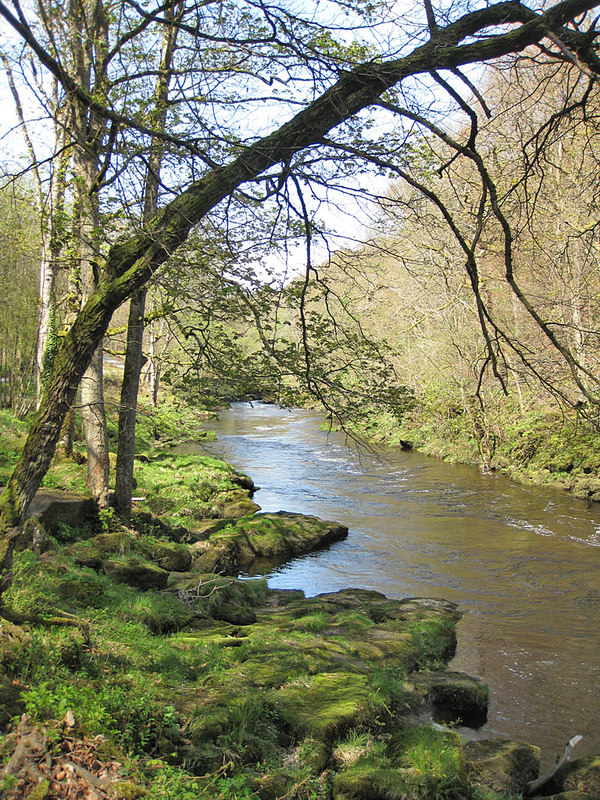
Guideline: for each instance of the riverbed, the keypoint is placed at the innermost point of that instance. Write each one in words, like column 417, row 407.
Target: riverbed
column 523, row 563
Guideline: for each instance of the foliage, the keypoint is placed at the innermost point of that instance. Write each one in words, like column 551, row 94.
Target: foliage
column 19, row 264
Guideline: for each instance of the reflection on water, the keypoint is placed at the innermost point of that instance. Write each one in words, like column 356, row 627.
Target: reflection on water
column 523, row 563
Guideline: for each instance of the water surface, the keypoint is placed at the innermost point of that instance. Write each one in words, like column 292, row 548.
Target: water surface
column 523, row 563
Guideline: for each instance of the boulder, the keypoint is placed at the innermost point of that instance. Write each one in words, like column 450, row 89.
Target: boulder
column 455, row 695
column 233, row 504
column 281, row 535
column 325, row 705
column 205, row 528
column 13, row 640
column 170, row 556
column 222, row 558
column 33, row 536
column 136, row 573
column 501, row 765
column 53, row 508
column 578, row 780
column 235, row 614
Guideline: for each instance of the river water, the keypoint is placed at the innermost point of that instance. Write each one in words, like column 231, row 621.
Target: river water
column 522, row 563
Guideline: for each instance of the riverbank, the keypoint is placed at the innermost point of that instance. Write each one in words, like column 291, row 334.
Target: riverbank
column 537, row 446
column 200, row 685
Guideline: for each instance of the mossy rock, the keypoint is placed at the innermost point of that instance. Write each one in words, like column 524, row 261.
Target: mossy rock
column 204, row 529
column 170, row 556
column 455, row 694
column 243, row 480
column 126, row 790
column 272, row 785
column 33, row 536
column 136, row 573
column 221, row 558
column 283, row 534
column 381, row 645
column 84, row 589
column 150, row 525
column 13, row 640
column 208, row 724
column 368, row 781
column 236, row 614
column 504, row 766
column 106, row 544
column 11, row 704
column 233, row 504
column 326, row 704
column 580, row 777
column 54, row 508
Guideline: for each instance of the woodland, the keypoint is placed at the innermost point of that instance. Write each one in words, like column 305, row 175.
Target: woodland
column 386, row 210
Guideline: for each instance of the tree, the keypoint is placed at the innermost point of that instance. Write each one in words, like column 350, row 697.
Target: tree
column 328, row 124
column 135, row 326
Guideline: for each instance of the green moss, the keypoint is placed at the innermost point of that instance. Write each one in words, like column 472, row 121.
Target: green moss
column 435, row 640
column 327, row 703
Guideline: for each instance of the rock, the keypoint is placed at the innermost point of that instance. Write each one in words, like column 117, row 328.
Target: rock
column 33, row 536
column 578, row 780
column 53, row 508
column 326, row 704
column 13, row 640
column 107, row 543
column 136, row 573
column 455, row 694
column 145, row 523
column 219, row 559
column 501, row 765
column 272, row 786
column 233, row 504
column 282, row 534
column 236, row 614
column 205, row 528
column 87, row 557
column 245, row 481
column 170, row 556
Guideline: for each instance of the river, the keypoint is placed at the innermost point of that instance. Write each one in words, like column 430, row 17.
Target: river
column 523, row 563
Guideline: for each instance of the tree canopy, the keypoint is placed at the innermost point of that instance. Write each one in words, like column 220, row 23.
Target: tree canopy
column 273, row 107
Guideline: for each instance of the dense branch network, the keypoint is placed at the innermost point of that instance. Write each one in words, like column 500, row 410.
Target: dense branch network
column 333, row 107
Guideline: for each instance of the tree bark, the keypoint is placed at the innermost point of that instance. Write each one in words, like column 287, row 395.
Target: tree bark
column 134, row 360
column 88, row 32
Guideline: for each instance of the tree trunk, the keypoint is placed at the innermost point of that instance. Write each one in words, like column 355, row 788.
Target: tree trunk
column 134, row 361
column 53, row 237
column 89, row 30
column 95, row 429
column 134, row 358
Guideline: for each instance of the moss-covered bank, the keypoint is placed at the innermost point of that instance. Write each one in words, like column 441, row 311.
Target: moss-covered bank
column 216, row 687
column 538, row 445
